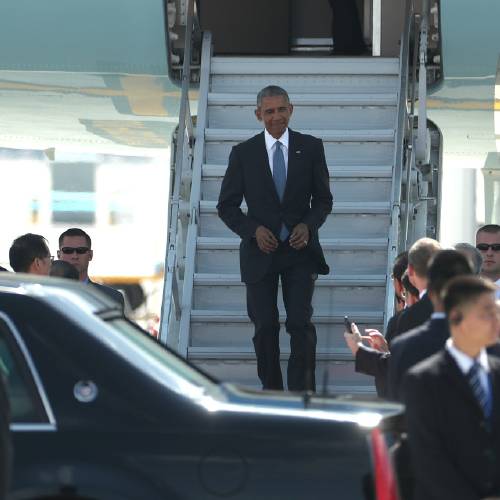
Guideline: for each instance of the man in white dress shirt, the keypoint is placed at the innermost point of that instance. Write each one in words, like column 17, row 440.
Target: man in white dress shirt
column 453, row 401
column 283, row 177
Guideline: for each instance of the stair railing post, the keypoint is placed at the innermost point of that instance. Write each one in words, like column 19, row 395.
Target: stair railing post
column 183, row 161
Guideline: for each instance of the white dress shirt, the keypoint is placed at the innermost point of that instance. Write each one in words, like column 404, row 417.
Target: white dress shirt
column 271, row 147
column 465, row 363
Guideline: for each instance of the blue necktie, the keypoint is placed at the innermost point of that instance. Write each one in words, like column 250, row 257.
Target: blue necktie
column 482, row 396
column 279, row 177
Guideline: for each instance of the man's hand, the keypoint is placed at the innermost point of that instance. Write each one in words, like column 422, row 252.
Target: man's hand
column 377, row 340
column 374, row 339
column 354, row 339
column 300, row 236
column 266, row 240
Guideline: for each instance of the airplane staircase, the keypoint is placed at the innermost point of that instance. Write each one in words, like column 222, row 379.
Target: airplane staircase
column 354, row 105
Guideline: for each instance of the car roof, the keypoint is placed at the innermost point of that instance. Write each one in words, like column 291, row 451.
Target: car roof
column 57, row 291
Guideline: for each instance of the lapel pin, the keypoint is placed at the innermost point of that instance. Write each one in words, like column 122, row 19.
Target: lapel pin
column 298, row 152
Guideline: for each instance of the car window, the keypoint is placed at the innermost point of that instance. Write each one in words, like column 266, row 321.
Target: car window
column 25, row 403
column 151, row 347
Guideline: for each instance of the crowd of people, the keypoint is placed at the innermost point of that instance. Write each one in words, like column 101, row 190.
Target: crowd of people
column 30, row 254
column 440, row 356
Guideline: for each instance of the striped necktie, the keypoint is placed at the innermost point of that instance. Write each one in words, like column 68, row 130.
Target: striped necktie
column 481, row 394
column 279, row 178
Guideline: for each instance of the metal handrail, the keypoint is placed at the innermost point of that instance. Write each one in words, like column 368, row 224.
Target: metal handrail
column 420, row 143
column 404, row 151
column 171, row 303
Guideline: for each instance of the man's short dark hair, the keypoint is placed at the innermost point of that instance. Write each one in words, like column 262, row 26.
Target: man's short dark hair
column 75, row 231
column 271, row 91
column 63, row 269
column 444, row 266
column 489, row 228
column 25, row 249
column 407, row 285
column 463, row 291
column 400, row 265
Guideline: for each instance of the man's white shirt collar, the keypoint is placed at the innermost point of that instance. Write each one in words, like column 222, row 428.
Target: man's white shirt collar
column 422, row 293
column 438, row 315
column 271, row 141
column 464, row 361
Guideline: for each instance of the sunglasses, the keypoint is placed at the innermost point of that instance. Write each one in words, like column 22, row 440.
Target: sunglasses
column 78, row 250
column 484, row 247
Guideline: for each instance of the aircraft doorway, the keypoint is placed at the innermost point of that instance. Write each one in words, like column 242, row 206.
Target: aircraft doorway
column 284, row 27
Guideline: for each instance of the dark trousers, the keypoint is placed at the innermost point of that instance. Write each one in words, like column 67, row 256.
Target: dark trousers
column 346, row 28
column 298, row 275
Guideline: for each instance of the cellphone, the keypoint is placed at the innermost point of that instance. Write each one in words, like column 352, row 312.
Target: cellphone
column 348, row 324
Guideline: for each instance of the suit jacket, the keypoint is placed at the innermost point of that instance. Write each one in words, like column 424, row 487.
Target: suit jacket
column 455, row 453
column 307, row 198
column 373, row 362
column 391, row 332
column 415, row 315
column 110, row 292
column 412, row 347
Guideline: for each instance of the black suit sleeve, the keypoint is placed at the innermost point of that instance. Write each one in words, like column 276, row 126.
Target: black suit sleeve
column 436, row 476
column 391, row 330
column 394, row 371
column 321, row 199
column 372, row 362
column 230, row 198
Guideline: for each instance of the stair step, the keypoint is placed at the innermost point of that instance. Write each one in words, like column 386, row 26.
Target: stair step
column 334, row 354
column 341, row 377
column 313, row 83
column 223, row 328
column 336, row 153
column 340, row 224
column 324, row 117
column 335, row 171
column 321, row 84
column 328, row 317
column 211, row 291
column 239, row 135
column 345, row 207
column 312, row 99
column 207, row 243
column 322, row 281
column 344, row 187
column 222, row 255
column 304, row 65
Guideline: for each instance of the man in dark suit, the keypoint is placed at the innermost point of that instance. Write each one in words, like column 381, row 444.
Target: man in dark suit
column 283, row 177
column 374, row 362
column 346, row 28
column 75, row 247
column 30, row 254
column 453, row 401
column 419, row 343
column 419, row 257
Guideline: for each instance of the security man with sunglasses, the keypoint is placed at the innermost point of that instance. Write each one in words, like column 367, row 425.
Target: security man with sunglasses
column 75, row 247
column 488, row 243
